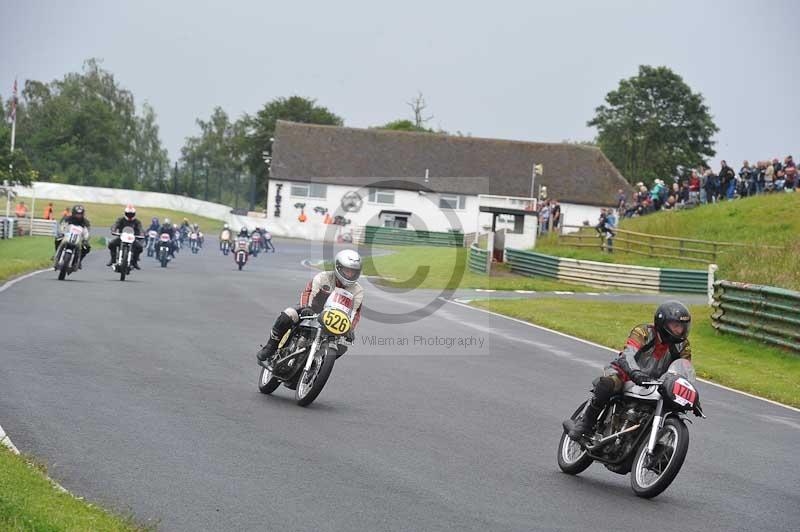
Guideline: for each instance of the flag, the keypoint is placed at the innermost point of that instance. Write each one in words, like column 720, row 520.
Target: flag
column 12, row 117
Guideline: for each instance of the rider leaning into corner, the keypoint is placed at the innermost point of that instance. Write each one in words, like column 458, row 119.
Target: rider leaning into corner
column 128, row 220
column 345, row 274
column 649, row 351
column 77, row 217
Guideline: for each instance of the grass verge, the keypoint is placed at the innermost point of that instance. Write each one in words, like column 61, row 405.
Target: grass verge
column 736, row 362
column 440, row 267
column 769, row 219
column 102, row 215
column 29, row 501
column 19, row 255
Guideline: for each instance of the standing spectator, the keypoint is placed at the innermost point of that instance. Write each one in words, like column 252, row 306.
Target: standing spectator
column 544, row 217
column 683, row 193
column 611, row 223
column 712, row 186
column 769, row 176
column 66, row 213
column 790, row 174
column 727, row 179
column 694, row 188
column 703, row 187
column 48, row 211
column 21, row 210
column 555, row 216
column 759, row 176
column 746, row 182
column 621, row 199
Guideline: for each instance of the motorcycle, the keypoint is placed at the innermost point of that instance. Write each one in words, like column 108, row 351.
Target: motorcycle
column 162, row 254
column 225, row 242
column 152, row 236
column 255, row 244
column 194, row 241
column 68, row 256
column 242, row 247
column 306, row 355
column 124, row 252
column 641, row 431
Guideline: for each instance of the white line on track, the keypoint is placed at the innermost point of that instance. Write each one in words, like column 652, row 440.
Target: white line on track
column 12, row 282
column 529, row 324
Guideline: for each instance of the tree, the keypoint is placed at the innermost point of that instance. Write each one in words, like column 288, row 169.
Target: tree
column 652, row 124
column 418, row 107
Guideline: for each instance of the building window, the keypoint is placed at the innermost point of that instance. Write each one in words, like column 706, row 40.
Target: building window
column 452, row 201
column 381, row 195
column 309, row 190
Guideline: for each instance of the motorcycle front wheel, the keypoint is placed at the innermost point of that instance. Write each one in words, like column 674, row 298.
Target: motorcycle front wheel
column 267, row 383
column 312, row 381
column 652, row 474
column 123, row 270
column 572, row 459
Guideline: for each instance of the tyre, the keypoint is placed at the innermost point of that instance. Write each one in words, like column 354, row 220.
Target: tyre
column 572, row 459
column 240, row 266
column 123, row 269
column 312, row 381
column 267, row 383
column 62, row 273
column 164, row 260
column 651, row 475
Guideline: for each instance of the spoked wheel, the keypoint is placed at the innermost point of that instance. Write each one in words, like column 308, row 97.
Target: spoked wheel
column 267, row 382
column 652, row 474
column 572, row 459
column 312, row 381
column 123, row 270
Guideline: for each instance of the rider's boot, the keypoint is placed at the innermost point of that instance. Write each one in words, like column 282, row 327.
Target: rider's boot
column 282, row 324
column 112, row 259
column 584, row 425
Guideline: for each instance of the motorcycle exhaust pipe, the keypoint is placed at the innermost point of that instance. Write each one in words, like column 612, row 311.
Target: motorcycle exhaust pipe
column 601, row 442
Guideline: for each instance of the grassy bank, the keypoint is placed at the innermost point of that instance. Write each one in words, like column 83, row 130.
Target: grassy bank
column 29, row 501
column 440, row 267
column 102, row 215
column 29, row 253
column 729, row 360
column 770, row 219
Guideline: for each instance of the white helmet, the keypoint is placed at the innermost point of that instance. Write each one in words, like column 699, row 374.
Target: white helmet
column 225, row 226
column 347, row 266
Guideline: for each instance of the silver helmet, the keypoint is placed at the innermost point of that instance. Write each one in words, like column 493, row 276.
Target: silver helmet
column 347, row 266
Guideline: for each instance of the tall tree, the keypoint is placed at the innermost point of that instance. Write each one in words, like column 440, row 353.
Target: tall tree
column 652, row 124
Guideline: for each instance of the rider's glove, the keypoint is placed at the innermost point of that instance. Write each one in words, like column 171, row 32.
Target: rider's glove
column 638, row 377
column 350, row 336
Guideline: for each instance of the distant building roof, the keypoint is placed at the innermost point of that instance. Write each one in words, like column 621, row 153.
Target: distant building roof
column 349, row 156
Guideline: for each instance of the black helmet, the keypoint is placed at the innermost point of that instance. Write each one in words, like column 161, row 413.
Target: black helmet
column 672, row 322
column 78, row 210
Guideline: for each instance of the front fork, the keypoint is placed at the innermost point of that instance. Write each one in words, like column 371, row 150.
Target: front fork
column 312, row 353
column 658, row 422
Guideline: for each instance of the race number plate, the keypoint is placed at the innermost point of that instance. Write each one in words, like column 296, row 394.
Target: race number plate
column 684, row 392
column 76, row 229
column 336, row 321
column 165, row 237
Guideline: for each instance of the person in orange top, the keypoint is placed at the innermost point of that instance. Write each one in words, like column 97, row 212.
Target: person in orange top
column 65, row 214
column 21, row 210
column 48, row 211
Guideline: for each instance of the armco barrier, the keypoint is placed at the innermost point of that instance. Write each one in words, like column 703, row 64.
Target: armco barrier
column 760, row 312
column 390, row 236
column 479, row 260
column 603, row 274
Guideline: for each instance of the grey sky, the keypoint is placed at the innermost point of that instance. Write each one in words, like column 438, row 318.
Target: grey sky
column 519, row 70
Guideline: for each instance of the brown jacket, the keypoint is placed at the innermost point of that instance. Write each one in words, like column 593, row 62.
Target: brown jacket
column 644, row 352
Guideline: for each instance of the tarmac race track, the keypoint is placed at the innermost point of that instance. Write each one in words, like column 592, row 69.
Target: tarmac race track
column 142, row 396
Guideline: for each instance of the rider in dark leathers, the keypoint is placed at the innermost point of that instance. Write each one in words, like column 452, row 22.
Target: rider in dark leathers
column 128, row 220
column 648, row 352
column 77, row 217
column 169, row 229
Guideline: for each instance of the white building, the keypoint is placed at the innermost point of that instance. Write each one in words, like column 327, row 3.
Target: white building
column 427, row 182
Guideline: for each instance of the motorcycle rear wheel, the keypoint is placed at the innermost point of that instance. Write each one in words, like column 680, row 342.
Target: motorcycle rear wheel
column 267, row 382
column 670, row 452
column 571, row 458
column 306, row 392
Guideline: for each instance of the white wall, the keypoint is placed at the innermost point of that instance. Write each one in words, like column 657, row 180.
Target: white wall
column 574, row 214
column 424, row 209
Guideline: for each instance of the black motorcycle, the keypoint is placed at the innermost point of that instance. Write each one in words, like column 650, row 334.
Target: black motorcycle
column 642, row 432
column 124, row 252
column 164, row 245
column 68, row 256
column 304, row 359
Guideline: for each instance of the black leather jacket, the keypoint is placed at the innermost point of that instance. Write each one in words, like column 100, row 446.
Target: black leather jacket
column 123, row 222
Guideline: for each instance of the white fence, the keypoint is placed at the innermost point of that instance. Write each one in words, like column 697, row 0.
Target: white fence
column 11, row 227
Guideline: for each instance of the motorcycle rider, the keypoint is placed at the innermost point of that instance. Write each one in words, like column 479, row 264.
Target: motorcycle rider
column 154, row 225
column 77, row 217
column 128, row 220
column 243, row 232
column 268, row 245
column 222, row 235
column 167, row 228
column 345, row 274
column 196, row 229
column 648, row 352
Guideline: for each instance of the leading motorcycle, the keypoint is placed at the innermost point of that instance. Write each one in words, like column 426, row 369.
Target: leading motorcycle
column 162, row 254
column 305, row 357
column 68, row 257
column 641, row 431
column 194, row 240
column 124, row 252
column 241, row 252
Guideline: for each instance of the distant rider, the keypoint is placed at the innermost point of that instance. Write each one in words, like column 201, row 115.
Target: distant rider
column 268, row 245
column 127, row 220
column 77, row 217
column 345, row 274
column 225, row 235
column 649, row 351
column 168, row 229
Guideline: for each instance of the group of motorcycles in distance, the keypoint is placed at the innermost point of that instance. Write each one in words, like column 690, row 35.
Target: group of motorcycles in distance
column 162, row 245
column 245, row 244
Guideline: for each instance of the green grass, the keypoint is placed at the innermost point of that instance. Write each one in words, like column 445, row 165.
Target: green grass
column 769, row 219
column 729, row 360
column 29, row 501
column 19, row 255
column 437, row 265
column 102, row 215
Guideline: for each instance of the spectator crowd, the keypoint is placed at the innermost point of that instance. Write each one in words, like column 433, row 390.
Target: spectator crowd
column 703, row 185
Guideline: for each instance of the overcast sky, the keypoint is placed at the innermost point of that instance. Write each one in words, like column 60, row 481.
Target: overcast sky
column 519, row 70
